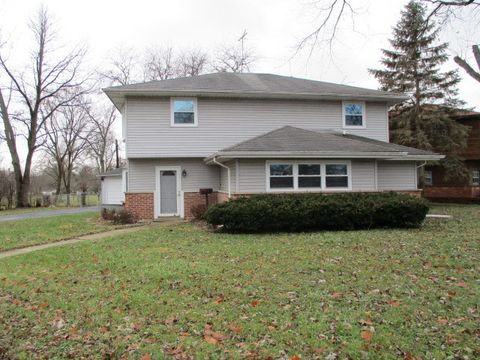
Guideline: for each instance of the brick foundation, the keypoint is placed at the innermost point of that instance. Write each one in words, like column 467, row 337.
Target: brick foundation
column 192, row 199
column 140, row 204
column 452, row 192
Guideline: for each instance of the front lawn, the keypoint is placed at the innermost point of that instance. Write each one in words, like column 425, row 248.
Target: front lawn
column 21, row 233
column 182, row 292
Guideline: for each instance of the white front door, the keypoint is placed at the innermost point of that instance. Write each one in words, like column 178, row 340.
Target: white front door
column 168, row 191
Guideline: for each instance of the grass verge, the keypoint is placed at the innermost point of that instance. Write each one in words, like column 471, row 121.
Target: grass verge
column 22, row 233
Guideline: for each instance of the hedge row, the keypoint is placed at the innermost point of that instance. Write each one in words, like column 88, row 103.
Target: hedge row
column 300, row 212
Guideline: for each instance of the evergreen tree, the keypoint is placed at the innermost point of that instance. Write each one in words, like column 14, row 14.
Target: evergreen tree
column 412, row 67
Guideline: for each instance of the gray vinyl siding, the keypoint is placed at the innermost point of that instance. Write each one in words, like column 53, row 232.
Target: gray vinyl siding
column 225, row 122
column 363, row 175
column 252, row 175
column 397, row 175
column 142, row 174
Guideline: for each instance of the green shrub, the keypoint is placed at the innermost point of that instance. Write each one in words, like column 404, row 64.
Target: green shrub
column 123, row 217
column 300, row 212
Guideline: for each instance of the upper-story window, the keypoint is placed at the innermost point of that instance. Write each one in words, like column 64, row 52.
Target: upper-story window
column 353, row 114
column 184, row 112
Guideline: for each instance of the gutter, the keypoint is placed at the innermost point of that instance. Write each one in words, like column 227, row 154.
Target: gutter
column 214, row 160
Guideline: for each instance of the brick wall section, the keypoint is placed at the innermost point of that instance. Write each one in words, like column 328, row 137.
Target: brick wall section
column 192, row 199
column 140, row 204
column 453, row 192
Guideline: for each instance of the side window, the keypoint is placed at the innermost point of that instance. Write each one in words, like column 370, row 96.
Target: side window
column 183, row 112
column 353, row 114
column 428, row 177
column 476, row 177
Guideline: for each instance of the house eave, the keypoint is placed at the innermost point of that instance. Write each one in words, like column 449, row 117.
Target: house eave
column 118, row 96
column 229, row 155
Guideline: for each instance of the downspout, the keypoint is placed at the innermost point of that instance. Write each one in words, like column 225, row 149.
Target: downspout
column 422, row 165
column 228, row 174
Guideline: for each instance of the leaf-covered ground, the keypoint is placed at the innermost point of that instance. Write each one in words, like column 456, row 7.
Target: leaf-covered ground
column 21, row 233
column 182, row 292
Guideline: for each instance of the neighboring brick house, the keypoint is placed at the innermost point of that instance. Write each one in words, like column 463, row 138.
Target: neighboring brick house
column 242, row 134
column 436, row 187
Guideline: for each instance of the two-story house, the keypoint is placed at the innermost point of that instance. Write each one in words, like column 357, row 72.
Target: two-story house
column 242, row 134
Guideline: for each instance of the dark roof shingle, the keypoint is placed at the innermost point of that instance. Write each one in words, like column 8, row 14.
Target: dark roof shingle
column 289, row 139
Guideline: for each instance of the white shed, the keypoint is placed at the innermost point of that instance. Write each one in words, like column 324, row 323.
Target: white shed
column 114, row 186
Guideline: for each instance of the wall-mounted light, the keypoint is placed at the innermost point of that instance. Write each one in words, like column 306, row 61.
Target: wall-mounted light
column 184, row 173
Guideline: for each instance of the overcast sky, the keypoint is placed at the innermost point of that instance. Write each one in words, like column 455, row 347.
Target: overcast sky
column 274, row 28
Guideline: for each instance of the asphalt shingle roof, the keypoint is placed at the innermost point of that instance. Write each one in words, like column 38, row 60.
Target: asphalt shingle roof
column 251, row 83
column 290, row 139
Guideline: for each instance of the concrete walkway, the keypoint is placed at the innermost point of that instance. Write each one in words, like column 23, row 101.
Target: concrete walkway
column 48, row 213
column 97, row 236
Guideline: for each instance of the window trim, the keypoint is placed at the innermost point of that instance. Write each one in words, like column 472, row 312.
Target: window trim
column 364, row 115
column 295, row 164
column 475, row 183
column 172, row 112
column 430, row 182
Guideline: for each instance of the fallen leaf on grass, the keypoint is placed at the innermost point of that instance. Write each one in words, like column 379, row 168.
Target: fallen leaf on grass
column 366, row 322
column 219, row 299
column 210, row 339
column 462, row 284
column 366, row 335
column 255, row 303
column 295, row 357
column 442, row 321
column 393, row 303
column 336, row 295
column 146, row 357
column 235, row 328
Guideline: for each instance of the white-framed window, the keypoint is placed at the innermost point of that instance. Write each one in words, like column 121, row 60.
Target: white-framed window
column 428, row 177
column 476, row 177
column 183, row 112
column 281, row 176
column 353, row 113
column 308, row 175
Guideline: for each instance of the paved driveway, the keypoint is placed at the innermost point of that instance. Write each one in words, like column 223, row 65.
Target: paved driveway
column 48, row 213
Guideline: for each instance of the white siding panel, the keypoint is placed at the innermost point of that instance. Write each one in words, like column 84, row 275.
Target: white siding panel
column 397, row 175
column 363, row 175
column 199, row 175
column 225, row 122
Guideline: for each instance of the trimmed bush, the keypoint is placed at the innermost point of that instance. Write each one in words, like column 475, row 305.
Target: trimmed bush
column 301, row 212
column 123, row 217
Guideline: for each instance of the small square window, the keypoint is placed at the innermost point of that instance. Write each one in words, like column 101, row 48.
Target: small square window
column 476, row 177
column 281, row 176
column 336, row 176
column 184, row 112
column 354, row 114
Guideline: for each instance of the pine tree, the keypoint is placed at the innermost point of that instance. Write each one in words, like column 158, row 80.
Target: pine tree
column 412, row 67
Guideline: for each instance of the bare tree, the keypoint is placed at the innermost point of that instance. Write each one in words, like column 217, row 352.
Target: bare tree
column 331, row 14
column 51, row 80
column 467, row 67
column 124, row 67
column 67, row 133
column 159, row 64
column 235, row 58
column 101, row 140
column 192, row 62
